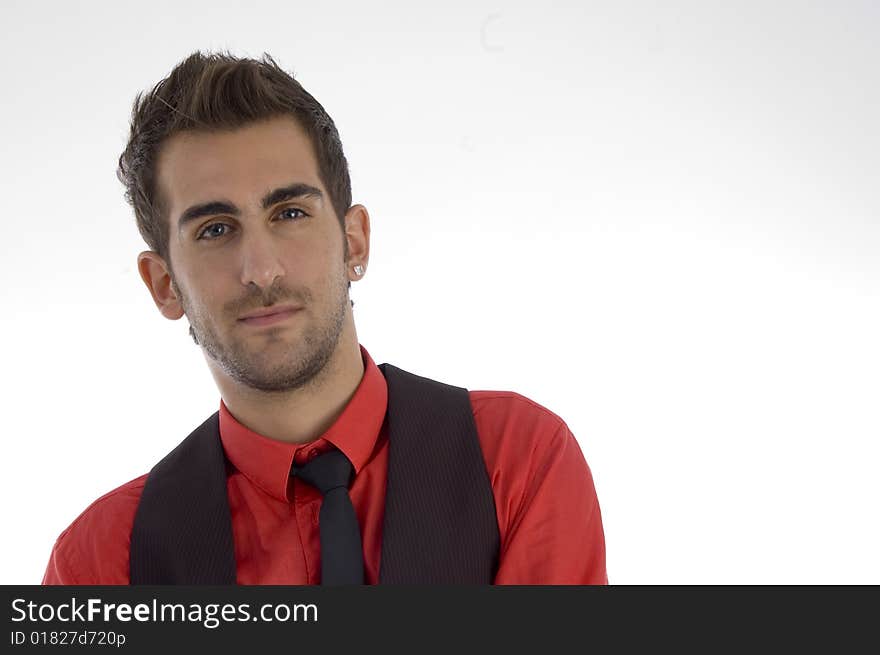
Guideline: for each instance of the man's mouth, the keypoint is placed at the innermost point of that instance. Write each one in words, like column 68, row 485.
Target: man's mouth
column 269, row 316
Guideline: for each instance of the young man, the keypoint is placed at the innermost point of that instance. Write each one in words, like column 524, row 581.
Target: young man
column 320, row 467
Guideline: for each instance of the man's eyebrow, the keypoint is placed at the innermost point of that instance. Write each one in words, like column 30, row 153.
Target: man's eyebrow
column 282, row 194
column 298, row 190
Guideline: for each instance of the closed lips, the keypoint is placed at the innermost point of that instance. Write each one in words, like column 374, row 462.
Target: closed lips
column 269, row 311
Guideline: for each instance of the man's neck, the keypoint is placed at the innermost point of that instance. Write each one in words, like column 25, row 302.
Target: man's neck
column 302, row 415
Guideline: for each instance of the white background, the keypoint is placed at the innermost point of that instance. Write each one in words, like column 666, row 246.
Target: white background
column 659, row 223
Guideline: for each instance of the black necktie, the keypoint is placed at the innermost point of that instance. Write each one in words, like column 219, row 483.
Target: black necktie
column 342, row 557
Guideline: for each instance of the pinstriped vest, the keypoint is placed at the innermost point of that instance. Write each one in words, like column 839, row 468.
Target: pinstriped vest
column 440, row 525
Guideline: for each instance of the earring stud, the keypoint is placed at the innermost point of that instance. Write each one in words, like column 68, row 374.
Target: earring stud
column 358, row 269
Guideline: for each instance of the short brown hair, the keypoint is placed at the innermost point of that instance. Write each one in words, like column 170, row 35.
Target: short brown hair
column 212, row 92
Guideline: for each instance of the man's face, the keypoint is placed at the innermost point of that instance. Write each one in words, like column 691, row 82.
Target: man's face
column 258, row 252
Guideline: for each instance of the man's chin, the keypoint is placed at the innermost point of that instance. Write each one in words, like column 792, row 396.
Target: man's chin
column 274, row 383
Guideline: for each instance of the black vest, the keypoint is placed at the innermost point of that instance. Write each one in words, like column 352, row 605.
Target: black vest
column 440, row 525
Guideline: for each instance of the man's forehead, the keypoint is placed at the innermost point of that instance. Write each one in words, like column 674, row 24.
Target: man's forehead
column 195, row 167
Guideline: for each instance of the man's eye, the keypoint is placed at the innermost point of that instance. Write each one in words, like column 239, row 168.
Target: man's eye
column 208, row 228
column 292, row 209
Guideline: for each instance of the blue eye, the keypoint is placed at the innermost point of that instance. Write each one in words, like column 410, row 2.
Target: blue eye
column 215, row 235
column 201, row 235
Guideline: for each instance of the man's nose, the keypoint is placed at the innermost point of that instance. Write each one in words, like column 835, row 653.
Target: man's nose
column 260, row 259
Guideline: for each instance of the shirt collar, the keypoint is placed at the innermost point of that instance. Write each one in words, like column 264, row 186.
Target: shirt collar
column 266, row 462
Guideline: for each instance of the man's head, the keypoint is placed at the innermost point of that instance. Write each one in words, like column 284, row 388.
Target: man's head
column 240, row 187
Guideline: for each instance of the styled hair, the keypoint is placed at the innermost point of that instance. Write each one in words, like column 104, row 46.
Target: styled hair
column 214, row 92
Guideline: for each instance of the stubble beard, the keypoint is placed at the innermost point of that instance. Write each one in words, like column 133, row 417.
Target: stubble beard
column 281, row 359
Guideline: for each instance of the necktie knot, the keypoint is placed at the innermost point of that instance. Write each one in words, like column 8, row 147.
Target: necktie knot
column 326, row 472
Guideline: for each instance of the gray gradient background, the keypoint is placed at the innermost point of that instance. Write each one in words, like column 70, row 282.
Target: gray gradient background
column 658, row 221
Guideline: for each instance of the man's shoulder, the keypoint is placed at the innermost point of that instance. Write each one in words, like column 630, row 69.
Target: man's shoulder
column 507, row 419
column 510, row 407
column 106, row 520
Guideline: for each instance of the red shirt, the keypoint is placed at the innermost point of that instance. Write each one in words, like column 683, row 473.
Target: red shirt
column 548, row 514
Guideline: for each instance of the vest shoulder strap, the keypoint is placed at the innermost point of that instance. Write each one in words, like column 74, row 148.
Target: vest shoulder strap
column 440, row 523
column 182, row 532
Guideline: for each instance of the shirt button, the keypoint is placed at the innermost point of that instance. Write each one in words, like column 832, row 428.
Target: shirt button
column 312, row 454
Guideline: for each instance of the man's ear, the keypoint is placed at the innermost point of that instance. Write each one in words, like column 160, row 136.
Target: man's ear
column 154, row 273
column 357, row 235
